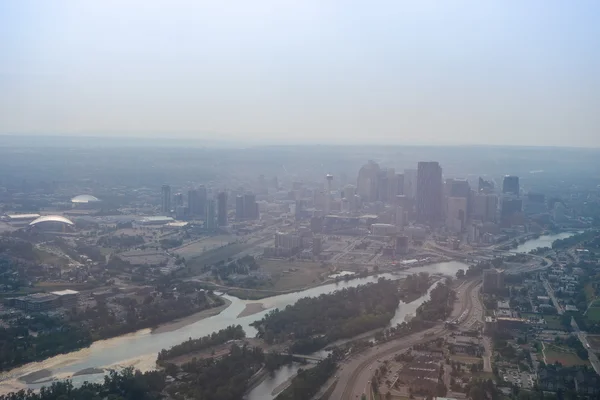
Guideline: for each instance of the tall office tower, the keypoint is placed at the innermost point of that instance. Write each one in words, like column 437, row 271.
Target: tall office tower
column 510, row 206
column 239, row 208
column 202, row 198
column 222, row 208
column 194, row 203
column 460, row 188
column 410, row 183
column 275, row 183
column 165, row 203
column 485, row 207
column 395, row 186
column 456, row 215
column 178, row 200
column 250, row 206
column 382, row 185
column 329, row 179
column 400, row 218
column 210, row 223
column 367, row 181
column 510, row 185
column 485, row 186
column 429, row 192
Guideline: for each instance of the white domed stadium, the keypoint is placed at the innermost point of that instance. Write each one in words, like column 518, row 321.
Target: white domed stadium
column 51, row 223
column 84, row 199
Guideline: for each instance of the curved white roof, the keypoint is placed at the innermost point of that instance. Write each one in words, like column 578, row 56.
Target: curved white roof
column 84, row 198
column 51, row 218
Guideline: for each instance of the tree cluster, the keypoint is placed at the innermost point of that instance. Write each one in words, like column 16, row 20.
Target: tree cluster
column 315, row 321
column 233, row 332
column 124, row 385
column 308, row 382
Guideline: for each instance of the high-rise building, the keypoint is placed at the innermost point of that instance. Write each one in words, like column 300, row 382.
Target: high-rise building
column 329, row 180
column 401, row 245
column 210, row 223
column 395, row 186
column 485, row 186
column 194, row 206
column 368, row 178
column 400, row 218
column 429, row 192
column 178, row 200
column 510, row 185
column 222, row 208
column 288, row 241
column 410, row 183
column 493, row 280
column 485, row 207
column 510, row 206
column 317, row 245
column 383, row 185
column 165, row 204
column 239, row 208
column 246, row 207
column 456, row 215
column 202, row 198
column 250, row 206
column 460, row 188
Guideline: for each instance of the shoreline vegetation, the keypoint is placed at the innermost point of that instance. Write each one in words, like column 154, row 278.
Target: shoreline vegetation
column 191, row 319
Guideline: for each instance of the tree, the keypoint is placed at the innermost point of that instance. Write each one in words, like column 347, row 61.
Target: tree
column 460, row 274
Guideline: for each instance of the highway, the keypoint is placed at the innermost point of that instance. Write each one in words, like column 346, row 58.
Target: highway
column 354, row 375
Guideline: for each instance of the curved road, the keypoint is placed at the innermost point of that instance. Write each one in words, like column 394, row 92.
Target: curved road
column 354, row 376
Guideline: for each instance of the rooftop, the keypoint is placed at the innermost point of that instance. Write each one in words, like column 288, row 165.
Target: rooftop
column 65, row 292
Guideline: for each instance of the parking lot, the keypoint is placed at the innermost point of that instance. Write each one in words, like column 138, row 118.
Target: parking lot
column 521, row 379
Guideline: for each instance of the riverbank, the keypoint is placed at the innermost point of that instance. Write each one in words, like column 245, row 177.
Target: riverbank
column 190, row 319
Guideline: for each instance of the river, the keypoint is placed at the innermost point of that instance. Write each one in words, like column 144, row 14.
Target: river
column 139, row 349
column 542, row 241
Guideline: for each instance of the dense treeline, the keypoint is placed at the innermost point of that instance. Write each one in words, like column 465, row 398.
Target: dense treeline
column 103, row 324
column 308, row 382
column 226, row 378
column 437, row 308
column 573, row 240
column 315, row 321
column 232, row 332
column 124, row 385
column 37, row 338
column 414, row 286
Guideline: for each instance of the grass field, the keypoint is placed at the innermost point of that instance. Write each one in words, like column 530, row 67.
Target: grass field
column 289, row 275
column 589, row 292
column 563, row 356
column 553, row 322
column 593, row 313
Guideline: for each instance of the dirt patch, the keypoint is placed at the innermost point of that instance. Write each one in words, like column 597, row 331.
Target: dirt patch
column 89, row 371
column 251, row 308
column 36, row 376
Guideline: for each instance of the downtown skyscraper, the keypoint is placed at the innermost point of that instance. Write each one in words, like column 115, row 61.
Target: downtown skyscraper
column 429, row 192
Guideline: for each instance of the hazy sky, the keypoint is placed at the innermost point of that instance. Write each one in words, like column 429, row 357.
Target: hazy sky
column 433, row 72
